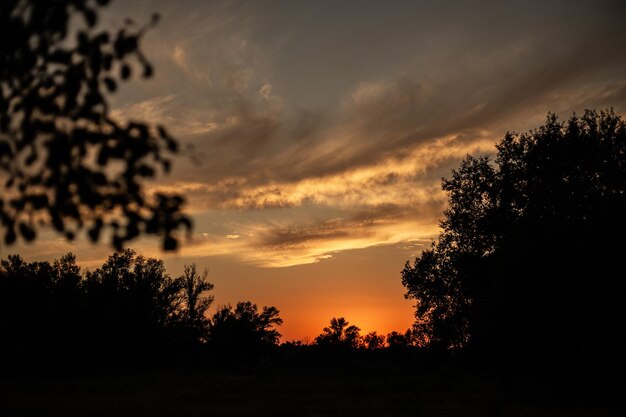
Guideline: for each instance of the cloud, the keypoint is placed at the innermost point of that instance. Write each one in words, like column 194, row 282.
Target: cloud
column 288, row 243
column 167, row 111
column 323, row 128
column 387, row 146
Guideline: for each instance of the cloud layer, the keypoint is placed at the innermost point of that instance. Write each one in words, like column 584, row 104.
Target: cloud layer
column 316, row 128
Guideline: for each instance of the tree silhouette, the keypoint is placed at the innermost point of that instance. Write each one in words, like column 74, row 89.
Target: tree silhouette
column 373, row 340
column 195, row 303
column 527, row 257
column 396, row 339
column 64, row 161
column 240, row 334
column 128, row 312
column 40, row 311
column 340, row 333
column 133, row 304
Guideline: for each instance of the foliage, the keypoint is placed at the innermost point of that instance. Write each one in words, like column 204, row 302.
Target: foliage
column 193, row 315
column 340, row 333
column 244, row 326
column 373, row 340
column 128, row 311
column 527, row 256
column 402, row 340
column 133, row 299
column 64, row 159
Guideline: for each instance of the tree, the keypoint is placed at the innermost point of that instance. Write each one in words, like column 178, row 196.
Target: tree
column 133, row 304
column 527, row 256
column 129, row 311
column 340, row 333
column 67, row 275
column 195, row 303
column 244, row 329
column 373, row 341
column 40, row 311
column 139, row 286
column 64, row 161
column 396, row 339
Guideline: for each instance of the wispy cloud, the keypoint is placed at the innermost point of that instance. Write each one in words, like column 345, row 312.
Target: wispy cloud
column 343, row 119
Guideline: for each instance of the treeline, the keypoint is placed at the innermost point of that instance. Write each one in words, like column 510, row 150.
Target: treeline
column 130, row 312
column 340, row 333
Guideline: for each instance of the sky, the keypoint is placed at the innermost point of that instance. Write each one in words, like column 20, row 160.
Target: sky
column 317, row 132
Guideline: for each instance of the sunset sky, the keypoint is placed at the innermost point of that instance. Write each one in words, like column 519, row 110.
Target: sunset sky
column 321, row 131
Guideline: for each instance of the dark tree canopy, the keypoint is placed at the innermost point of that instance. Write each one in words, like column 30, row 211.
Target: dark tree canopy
column 64, row 161
column 245, row 325
column 194, row 288
column 529, row 264
column 128, row 311
column 401, row 340
column 373, row 340
column 340, row 333
column 241, row 335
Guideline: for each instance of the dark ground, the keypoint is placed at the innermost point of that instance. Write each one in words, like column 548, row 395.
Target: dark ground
column 202, row 394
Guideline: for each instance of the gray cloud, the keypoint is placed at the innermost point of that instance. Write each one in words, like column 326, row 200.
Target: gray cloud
column 437, row 70
column 358, row 107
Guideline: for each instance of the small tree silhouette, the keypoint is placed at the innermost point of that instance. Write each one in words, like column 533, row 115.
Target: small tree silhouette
column 340, row 333
column 239, row 336
column 245, row 325
column 195, row 303
column 373, row 340
column 396, row 339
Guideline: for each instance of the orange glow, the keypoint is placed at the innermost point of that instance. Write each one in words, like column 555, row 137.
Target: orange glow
column 361, row 285
column 380, row 318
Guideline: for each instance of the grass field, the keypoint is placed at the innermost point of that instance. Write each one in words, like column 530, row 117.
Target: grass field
column 178, row 394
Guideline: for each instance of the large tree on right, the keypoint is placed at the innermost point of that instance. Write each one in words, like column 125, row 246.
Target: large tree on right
column 529, row 268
